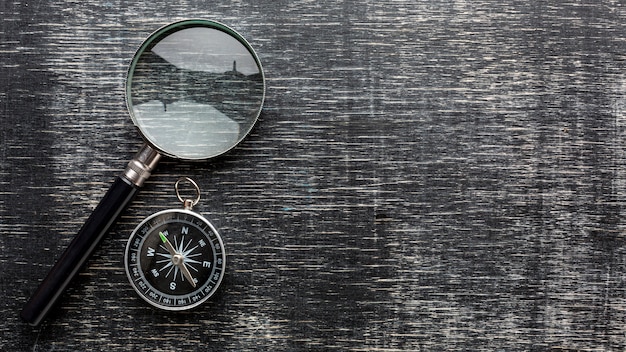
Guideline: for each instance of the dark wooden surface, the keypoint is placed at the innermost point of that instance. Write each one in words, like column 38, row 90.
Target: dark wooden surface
column 425, row 175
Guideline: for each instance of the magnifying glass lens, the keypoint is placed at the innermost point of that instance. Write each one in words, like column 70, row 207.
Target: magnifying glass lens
column 195, row 89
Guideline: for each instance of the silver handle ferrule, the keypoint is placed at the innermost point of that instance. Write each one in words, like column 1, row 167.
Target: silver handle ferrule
column 140, row 168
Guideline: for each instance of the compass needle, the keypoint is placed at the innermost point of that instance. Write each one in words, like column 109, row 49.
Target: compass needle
column 167, row 243
column 187, row 274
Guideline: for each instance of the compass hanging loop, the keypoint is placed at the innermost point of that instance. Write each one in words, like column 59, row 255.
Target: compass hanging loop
column 188, row 203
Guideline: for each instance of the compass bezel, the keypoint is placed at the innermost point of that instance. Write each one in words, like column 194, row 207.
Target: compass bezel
column 138, row 275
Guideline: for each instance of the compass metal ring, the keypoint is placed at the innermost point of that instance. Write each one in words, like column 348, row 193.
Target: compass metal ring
column 187, row 201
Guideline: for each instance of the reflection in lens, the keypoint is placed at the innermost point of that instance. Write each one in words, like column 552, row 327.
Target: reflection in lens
column 195, row 91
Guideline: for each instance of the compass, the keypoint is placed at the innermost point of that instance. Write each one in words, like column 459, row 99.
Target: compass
column 175, row 258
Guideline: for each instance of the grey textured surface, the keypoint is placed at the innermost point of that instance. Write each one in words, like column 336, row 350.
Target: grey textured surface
column 425, row 175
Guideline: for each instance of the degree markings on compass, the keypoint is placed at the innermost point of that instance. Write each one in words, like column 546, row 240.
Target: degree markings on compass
column 142, row 284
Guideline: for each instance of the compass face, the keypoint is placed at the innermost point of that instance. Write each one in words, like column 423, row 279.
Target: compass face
column 175, row 259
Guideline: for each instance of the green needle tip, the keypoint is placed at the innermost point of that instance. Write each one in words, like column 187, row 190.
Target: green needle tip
column 163, row 238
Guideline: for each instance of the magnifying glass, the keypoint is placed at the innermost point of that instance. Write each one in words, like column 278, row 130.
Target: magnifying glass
column 195, row 89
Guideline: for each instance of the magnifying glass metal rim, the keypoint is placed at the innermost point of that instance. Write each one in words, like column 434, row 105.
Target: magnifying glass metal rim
column 179, row 25
column 117, row 197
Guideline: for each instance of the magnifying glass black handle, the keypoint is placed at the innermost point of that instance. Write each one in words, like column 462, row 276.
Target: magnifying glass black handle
column 97, row 225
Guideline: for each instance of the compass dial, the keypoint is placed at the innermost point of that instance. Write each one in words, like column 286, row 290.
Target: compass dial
column 175, row 259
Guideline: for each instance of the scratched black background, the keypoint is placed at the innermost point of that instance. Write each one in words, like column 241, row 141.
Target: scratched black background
column 425, row 175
